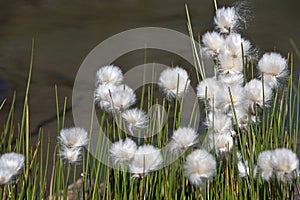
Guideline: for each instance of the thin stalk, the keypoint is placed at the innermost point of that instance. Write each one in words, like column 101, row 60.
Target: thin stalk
column 194, row 48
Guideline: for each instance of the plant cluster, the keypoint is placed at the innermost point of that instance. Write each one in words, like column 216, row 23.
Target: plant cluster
column 244, row 149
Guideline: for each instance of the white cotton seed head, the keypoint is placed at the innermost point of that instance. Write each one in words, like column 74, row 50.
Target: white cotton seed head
column 237, row 94
column 221, row 143
column 272, row 63
column 224, row 101
column 135, row 119
column 241, row 113
column 71, row 155
column 230, row 65
column 226, row 19
column 72, row 141
column 73, row 137
column 265, row 165
column 121, row 98
column 273, row 66
column 208, row 88
column 122, row 152
column 13, row 161
column 183, row 138
column 218, row 122
column 236, row 46
column 147, row 158
column 271, row 81
column 5, row 175
column 285, row 163
column 109, row 75
column 231, row 79
column 102, row 95
column 257, row 94
column 174, row 81
column 212, row 42
column 199, row 167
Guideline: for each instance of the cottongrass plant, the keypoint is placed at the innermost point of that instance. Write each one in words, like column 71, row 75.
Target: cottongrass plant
column 273, row 67
column 109, row 75
column 122, row 152
column 147, row 158
column 74, row 137
column 236, row 107
column 102, row 95
column 257, row 94
column 136, row 120
column 230, row 98
column 244, row 149
column 213, row 42
column 219, row 122
column 174, row 82
column 220, row 143
column 208, row 88
column 121, row 98
column 11, row 165
column 110, row 94
column 226, row 19
column 281, row 163
column 72, row 141
column 182, row 139
column 200, row 166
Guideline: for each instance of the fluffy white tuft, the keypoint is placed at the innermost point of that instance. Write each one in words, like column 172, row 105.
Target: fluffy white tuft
column 233, row 45
column 174, row 81
column 147, row 158
column 102, row 95
column 208, row 88
column 122, row 152
column 226, row 19
column 5, row 175
column 230, row 65
column 242, row 118
column 213, row 42
column 121, row 98
column 265, row 165
column 273, row 66
column 221, row 143
column 231, row 79
column 281, row 162
column 224, row 100
column 71, row 155
column 10, row 166
column 73, row 137
column 183, row 138
column 219, row 122
column 109, row 75
column 14, row 161
column 135, row 119
column 285, row 164
column 257, row 94
column 199, row 167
